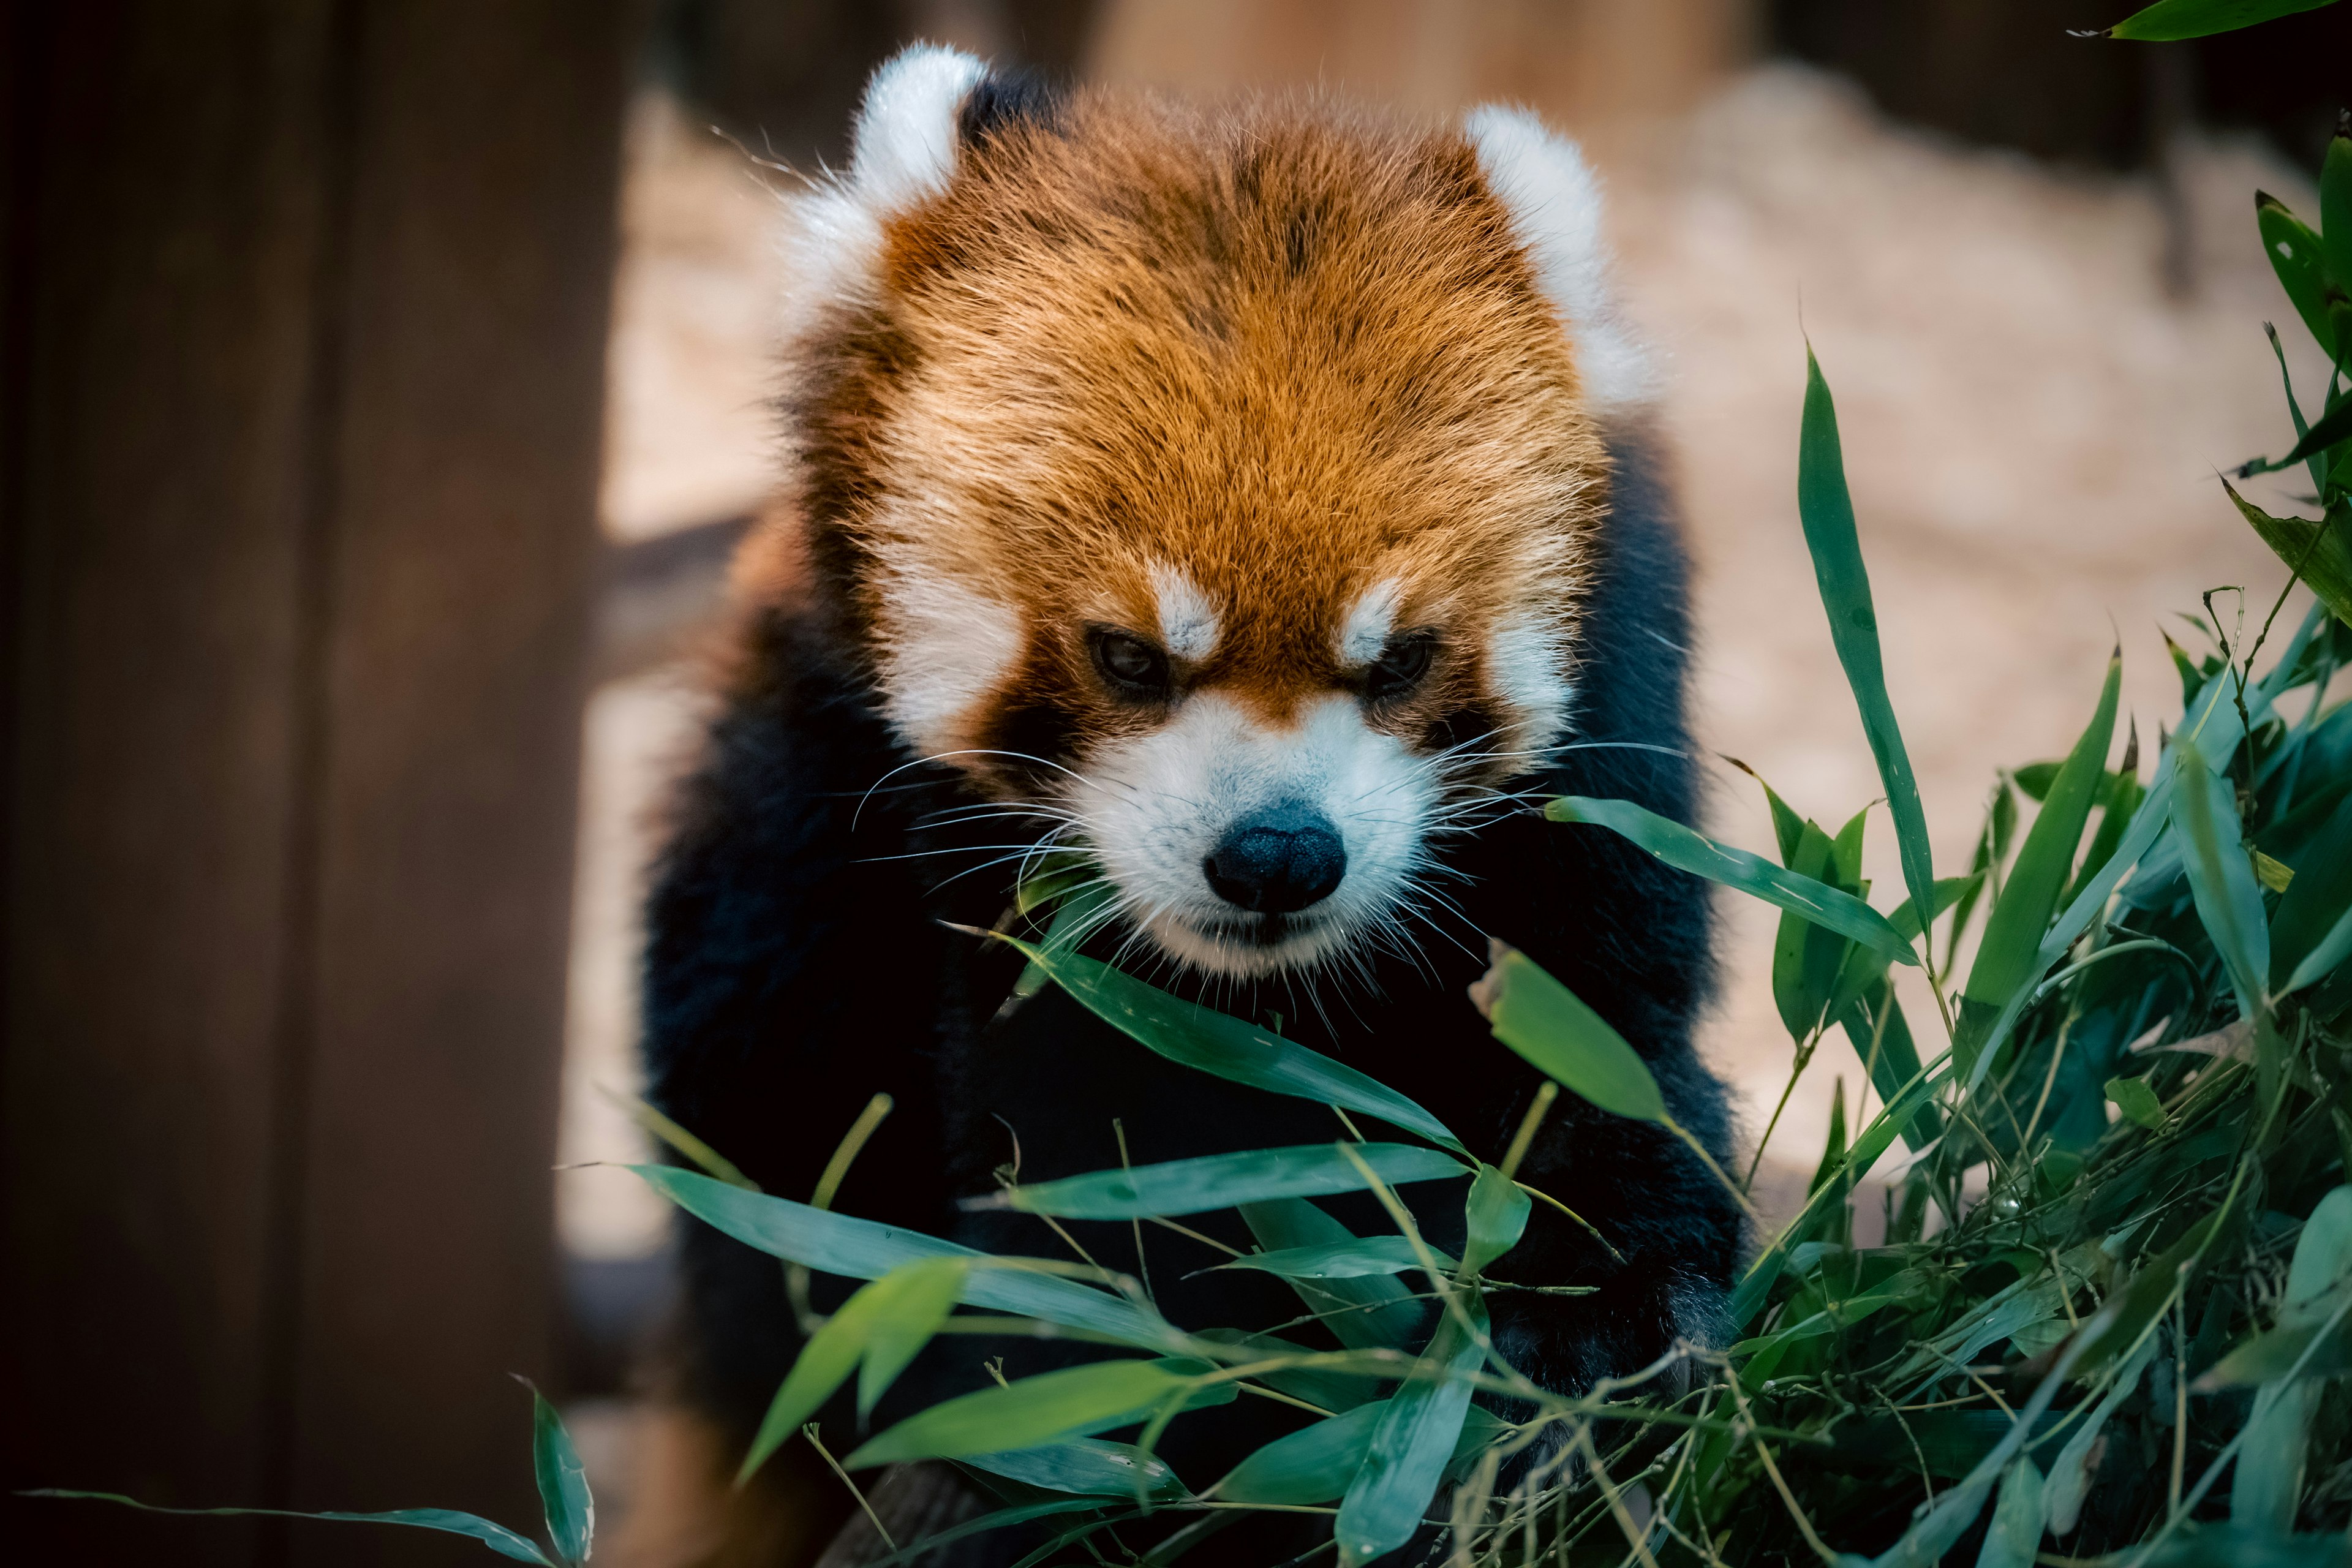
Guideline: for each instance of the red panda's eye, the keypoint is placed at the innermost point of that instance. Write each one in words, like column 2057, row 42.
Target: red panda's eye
column 1134, row 668
column 1401, row 667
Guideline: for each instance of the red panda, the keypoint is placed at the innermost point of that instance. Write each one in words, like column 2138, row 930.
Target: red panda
column 1254, row 501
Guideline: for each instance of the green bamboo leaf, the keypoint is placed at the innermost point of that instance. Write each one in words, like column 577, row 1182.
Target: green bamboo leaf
column 1788, row 827
column 1413, row 1442
column 1316, row 1463
column 1748, row 1297
column 2017, row 1519
column 562, row 1481
column 1073, row 1401
column 1354, row 1259
column 2268, row 1357
column 2295, row 257
column 1826, row 510
column 2008, row 956
column 1801, row 986
column 825, row 1363
column 1685, row 850
column 1949, row 1516
column 2319, row 553
column 2138, row 1101
column 1865, row 970
column 1365, row 1311
column 1211, row 1042
column 2171, row 19
column 2269, row 1478
column 2211, row 721
column 2324, row 959
column 2316, row 904
column 1222, row 1181
column 914, row 1300
column 497, row 1537
column 1549, row 1024
column 1312, row 1465
column 1890, row 1052
column 2329, row 429
column 1090, row 1467
column 1495, row 1217
column 862, row 1249
column 2069, row 1481
column 2221, row 877
column 2128, row 1312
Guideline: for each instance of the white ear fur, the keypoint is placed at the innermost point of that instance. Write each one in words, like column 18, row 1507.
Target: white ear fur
column 904, row 150
column 1555, row 206
column 904, row 145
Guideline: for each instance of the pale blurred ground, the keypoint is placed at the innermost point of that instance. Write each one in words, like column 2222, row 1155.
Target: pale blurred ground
column 2032, row 429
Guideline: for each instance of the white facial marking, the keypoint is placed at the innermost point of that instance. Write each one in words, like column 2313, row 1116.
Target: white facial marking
column 1555, row 206
column 945, row 648
column 1526, row 657
column 1187, row 621
column 1366, row 630
column 1158, row 805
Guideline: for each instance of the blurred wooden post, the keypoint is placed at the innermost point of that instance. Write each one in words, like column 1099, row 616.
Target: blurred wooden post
column 302, row 315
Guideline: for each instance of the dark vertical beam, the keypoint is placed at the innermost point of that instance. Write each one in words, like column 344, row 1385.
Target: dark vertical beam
column 301, row 329
column 479, row 281
column 166, row 189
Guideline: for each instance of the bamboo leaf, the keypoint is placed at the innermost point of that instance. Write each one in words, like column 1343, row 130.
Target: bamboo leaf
column 564, row 1493
column 497, row 1537
column 1224, row 1047
column 2310, row 918
column 2269, row 1478
column 2328, row 430
column 2294, row 254
column 1090, row 1467
column 1411, row 1443
column 1222, row 1180
column 2171, row 19
column 825, row 1363
column 1891, row 1053
column 2069, row 1481
column 1495, row 1218
column 1826, row 510
column 1073, row 1401
column 2319, row 553
column 2017, row 1519
column 1549, row 1024
column 1748, row 1297
column 1312, row 1465
column 2138, row 1101
column 913, row 1301
column 1799, row 988
column 1354, row 1259
column 1316, row 1463
column 1685, row 850
column 2221, row 878
column 862, row 1249
column 2008, row 957
column 1365, row 1311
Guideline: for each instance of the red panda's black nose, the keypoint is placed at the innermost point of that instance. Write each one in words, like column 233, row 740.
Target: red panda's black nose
column 1281, row 860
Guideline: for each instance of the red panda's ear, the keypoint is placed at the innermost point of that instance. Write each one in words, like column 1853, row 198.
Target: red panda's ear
column 925, row 107
column 908, row 128
column 1554, row 200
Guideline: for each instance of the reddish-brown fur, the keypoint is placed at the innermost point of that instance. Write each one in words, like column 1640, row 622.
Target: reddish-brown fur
column 1289, row 351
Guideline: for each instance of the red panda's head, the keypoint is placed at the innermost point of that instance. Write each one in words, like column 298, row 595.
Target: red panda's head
column 1223, row 486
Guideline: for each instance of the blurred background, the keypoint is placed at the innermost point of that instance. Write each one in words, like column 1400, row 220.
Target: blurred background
column 382, row 390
